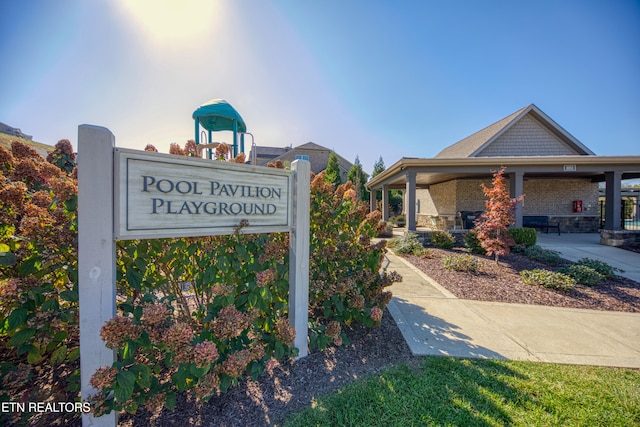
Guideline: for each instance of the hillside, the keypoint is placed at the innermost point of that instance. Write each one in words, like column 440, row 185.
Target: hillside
column 42, row 149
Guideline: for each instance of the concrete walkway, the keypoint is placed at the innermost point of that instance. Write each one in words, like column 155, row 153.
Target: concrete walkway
column 587, row 245
column 434, row 322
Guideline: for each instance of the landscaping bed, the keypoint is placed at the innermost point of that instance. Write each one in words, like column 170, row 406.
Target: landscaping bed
column 502, row 282
column 292, row 386
column 288, row 388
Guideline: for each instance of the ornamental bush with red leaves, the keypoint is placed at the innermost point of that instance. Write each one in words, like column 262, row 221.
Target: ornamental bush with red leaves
column 492, row 228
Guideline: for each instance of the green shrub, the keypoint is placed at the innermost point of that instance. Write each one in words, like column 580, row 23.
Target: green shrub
column 583, row 274
column 601, row 267
column 38, row 278
column 472, row 243
column 524, row 236
column 194, row 314
column 547, row 256
column 397, row 221
column 548, row 279
column 346, row 280
column 426, row 253
column 442, row 239
column 407, row 244
column 465, row 263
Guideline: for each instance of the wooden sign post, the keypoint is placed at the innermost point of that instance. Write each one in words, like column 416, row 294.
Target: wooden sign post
column 129, row 194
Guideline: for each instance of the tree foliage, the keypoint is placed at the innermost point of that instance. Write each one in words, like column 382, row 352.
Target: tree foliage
column 395, row 196
column 492, row 228
column 357, row 176
column 332, row 172
column 378, row 167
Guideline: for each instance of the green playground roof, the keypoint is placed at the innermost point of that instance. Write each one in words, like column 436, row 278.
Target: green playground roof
column 217, row 115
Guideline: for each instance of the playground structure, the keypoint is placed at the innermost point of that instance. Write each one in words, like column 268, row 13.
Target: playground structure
column 214, row 116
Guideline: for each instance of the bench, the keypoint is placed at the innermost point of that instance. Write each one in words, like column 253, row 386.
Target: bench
column 540, row 222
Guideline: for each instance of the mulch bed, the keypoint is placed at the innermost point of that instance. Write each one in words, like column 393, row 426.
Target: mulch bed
column 293, row 386
column 502, row 282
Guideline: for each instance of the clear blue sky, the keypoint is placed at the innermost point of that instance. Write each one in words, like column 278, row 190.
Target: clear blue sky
column 364, row 77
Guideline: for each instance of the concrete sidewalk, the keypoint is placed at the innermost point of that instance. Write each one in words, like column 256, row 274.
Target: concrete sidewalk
column 587, row 245
column 434, row 322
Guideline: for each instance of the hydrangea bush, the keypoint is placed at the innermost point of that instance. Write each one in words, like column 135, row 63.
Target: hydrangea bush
column 38, row 275
column 194, row 314
column 345, row 283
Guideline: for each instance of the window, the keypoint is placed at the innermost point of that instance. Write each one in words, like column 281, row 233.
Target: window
column 302, row 157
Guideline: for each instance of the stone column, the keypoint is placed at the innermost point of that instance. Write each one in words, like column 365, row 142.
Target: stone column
column 372, row 199
column 385, row 203
column 410, row 208
column 516, row 188
column 613, row 201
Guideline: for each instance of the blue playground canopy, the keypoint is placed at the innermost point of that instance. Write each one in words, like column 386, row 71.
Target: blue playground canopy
column 218, row 115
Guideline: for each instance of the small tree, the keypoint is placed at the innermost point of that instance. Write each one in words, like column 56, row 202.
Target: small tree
column 332, row 172
column 492, row 228
column 357, row 176
column 395, row 200
column 378, row 167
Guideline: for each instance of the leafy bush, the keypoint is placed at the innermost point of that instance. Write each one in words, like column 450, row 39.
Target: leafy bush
column 601, row 267
column 472, row 243
column 442, row 239
column 583, row 274
column 524, row 236
column 548, row 279
column 407, row 244
column 538, row 253
column 492, row 228
column 397, row 221
column 345, row 282
column 195, row 314
column 465, row 263
column 38, row 275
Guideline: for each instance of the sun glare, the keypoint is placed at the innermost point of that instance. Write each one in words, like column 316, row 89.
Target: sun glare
column 172, row 21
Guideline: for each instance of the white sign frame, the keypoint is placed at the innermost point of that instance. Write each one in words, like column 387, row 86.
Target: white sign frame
column 140, row 215
column 99, row 175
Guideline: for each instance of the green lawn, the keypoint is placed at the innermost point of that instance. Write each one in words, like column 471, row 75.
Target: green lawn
column 465, row 392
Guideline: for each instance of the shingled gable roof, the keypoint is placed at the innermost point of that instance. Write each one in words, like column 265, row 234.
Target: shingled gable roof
column 474, row 145
column 318, row 157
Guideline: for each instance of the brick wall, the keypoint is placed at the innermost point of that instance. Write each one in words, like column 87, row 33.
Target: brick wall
column 439, row 199
column 552, row 197
column 556, row 196
column 469, row 194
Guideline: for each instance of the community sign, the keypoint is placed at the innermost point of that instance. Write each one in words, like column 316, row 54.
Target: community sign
column 161, row 195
